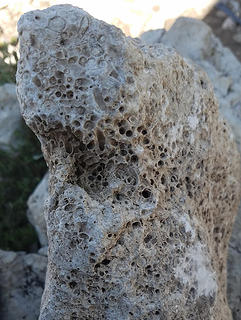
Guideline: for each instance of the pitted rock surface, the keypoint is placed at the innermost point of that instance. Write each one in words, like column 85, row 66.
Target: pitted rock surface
column 143, row 173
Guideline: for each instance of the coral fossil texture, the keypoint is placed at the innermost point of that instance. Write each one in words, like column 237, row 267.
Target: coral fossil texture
column 143, row 173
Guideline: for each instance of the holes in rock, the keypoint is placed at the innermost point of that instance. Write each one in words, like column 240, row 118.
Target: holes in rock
column 105, row 262
column 161, row 163
column 89, row 125
column 36, row 81
column 163, row 179
column 52, row 80
column 114, row 74
column 72, row 60
column 134, row 158
column 91, row 145
column 128, row 133
column 146, row 141
column 121, row 109
column 58, row 94
column 70, row 94
column 107, row 99
column 72, row 284
column 148, row 238
column 121, row 130
column 59, row 74
column 82, row 61
column 146, row 193
column 136, row 225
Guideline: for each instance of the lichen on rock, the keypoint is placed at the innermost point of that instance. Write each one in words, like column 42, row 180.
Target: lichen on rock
column 142, row 172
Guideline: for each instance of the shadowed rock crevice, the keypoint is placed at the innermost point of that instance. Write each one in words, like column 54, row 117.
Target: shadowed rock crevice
column 139, row 179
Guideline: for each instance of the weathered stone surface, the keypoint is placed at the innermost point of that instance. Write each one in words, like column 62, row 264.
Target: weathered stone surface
column 143, row 193
column 10, row 117
column 35, row 213
column 195, row 40
column 22, row 282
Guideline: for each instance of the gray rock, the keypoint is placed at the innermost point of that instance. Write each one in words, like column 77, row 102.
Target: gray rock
column 142, row 194
column 10, row 117
column 35, row 213
column 22, row 282
column 153, row 36
column 194, row 39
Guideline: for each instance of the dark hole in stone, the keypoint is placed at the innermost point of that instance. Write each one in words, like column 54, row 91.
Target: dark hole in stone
column 147, row 238
column 105, row 262
column 121, row 109
column 128, row 133
column 101, row 139
column 146, row 193
column 134, row 158
column 136, row 225
column 72, row 284
column 91, row 145
column 122, row 130
column 70, row 94
column 146, row 141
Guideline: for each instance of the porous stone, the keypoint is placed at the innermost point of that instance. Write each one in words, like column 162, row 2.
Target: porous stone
column 195, row 40
column 10, row 117
column 22, row 283
column 142, row 192
column 35, row 213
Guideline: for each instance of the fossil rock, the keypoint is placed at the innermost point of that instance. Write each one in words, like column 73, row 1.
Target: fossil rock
column 194, row 40
column 22, row 283
column 142, row 192
column 35, row 211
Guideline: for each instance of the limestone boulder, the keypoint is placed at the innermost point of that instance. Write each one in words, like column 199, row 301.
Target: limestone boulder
column 10, row 117
column 194, row 40
column 143, row 192
column 22, row 283
column 35, row 213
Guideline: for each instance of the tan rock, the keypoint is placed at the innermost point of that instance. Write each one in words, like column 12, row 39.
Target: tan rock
column 143, row 192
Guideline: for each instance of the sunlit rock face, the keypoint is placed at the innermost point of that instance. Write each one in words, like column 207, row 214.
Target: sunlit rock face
column 142, row 172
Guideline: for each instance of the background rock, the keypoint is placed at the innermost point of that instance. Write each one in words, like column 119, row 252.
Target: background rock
column 22, row 282
column 194, row 40
column 10, row 117
column 143, row 194
column 35, row 213
column 133, row 17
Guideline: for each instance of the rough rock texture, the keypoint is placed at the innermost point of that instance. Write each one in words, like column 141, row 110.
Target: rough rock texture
column 143, row 173
column 194, row 39
column 10, row 117
column 35, row 213
column 22, row 282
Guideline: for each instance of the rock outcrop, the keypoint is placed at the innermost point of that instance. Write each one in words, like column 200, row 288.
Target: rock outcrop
column 22, row 284
column 194, row 40
column 35, row 213
column 144, row 176
column 10, row 117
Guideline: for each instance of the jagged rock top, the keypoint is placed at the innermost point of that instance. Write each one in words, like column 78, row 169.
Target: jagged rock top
column 143, row 192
